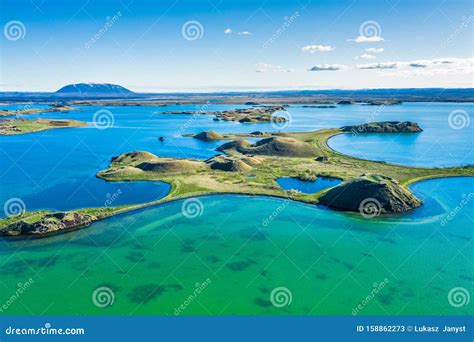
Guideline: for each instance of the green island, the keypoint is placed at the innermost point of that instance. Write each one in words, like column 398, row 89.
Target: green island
column 27, row 110
column 23, row 126
column 251, row 169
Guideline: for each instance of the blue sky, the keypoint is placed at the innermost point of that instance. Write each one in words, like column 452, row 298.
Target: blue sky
column 239, row 45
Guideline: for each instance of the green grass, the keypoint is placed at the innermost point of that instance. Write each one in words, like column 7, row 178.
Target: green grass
column 22, row 126
column 204, row 180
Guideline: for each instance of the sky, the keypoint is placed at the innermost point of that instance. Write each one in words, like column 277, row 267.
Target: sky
column 229, row 45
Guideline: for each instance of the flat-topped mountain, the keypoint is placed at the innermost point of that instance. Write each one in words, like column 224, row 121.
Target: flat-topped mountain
column 93, row 89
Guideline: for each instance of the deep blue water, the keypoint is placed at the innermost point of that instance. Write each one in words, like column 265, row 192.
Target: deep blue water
column 93, row 192
column 439, row 145
column 308, row 187
column 58, row 161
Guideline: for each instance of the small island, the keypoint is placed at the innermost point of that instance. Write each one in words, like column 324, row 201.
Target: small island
column 384, row 127
column 251, row 169
column 23, row 126
column 246, row 115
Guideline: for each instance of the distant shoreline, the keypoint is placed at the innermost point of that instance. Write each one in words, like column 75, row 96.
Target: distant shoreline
column 239, row 97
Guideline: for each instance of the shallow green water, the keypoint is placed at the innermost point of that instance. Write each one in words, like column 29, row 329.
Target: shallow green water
column 153, row 260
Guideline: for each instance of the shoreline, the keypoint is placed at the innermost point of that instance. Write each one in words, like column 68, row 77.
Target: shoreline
column 164, row 200
column 189, row 178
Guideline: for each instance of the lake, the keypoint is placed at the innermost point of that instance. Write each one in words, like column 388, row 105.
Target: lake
column 154, row 259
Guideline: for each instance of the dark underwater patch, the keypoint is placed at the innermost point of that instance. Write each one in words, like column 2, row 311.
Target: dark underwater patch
column 385, row 299
column 135, row 256
column 212, row 259
column 388, row 240
column 176, row 287
column 145, row 293
column 264, row 303
column 114, row 287
column 254, row 235
column 240, row 265
column 19, row 267
column 188, row 246
column 321, row 276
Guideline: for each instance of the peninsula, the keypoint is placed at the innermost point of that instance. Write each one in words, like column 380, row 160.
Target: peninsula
column 251, row 169
column 22, row 126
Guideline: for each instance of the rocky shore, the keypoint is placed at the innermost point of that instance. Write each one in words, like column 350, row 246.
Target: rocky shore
column 48, row 224
column 384, row 127
column 371, row 195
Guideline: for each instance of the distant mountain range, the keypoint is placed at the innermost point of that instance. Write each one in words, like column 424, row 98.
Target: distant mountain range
column 98, row 91
column 93, row 89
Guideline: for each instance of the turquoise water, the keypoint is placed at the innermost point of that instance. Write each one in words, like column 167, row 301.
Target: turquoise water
column 154, row 259
column 247, row 246
column 35, row 163
column 308, row 187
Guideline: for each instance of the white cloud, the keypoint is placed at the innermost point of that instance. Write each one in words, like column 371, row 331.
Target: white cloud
column 327, row 67
column 227, row 31
column 265, row 67
column 436, row 66
column 374, row 50
column 245, row 33
column 424, row 67
column 366, row 39
column 366, row 56
column 386, row 65
column 317, row 48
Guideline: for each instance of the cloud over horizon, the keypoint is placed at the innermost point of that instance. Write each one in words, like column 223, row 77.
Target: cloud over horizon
column 374, row 50
column 366, row 56
column 317, row 48
column 266, row 67
column 327, row 67
column 365, row 39
column 386, row 65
